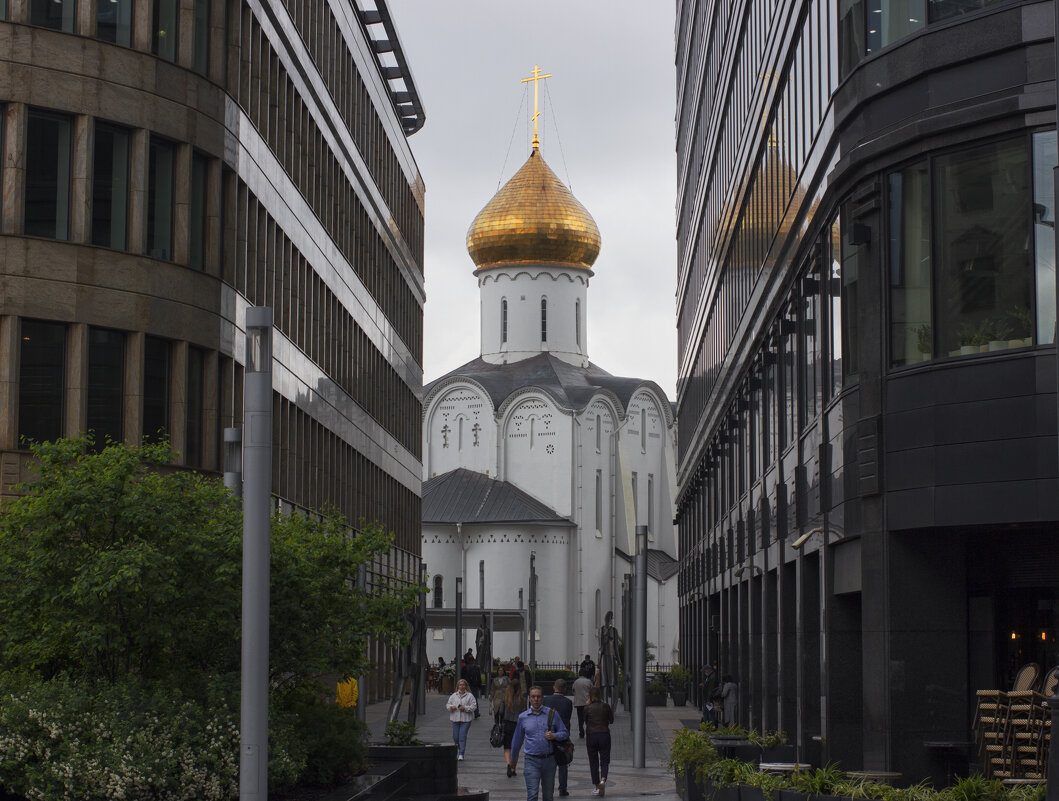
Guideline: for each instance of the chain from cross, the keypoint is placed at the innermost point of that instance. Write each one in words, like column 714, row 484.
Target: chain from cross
column 536, row 78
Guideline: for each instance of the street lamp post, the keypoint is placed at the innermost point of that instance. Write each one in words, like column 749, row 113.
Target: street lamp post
column 257, row 510
column 533, row 611
column 459, row 627
column 639, row 650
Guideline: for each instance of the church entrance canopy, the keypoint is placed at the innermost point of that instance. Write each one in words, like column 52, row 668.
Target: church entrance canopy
column 498, row 619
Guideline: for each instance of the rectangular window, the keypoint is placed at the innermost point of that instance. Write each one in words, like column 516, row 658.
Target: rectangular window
column 810, row 343
column 42, row 359
column 1044, row 157
column 47, row 175
column 110, row 186
column 850, row 305
column 650, row 506
column 156, row 389
column 193, row 440
column 106, row 385
column 59, row 15
column 114, row 21
column 599, row 502
column 982, row 212
column 164, row 37
column 790, row 401
column 197, row 253
column 635, row 502
column 834, row 319
column 890, row 20
column 943, row 9
column 160, row 199
column 911, row 335
column 202, row 37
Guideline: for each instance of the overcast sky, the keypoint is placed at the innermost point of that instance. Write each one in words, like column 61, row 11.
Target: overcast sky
column 606, row 131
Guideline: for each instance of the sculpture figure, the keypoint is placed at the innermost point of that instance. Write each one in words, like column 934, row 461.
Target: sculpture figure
column 483, row 647
column 409, row 663
column 609, row 660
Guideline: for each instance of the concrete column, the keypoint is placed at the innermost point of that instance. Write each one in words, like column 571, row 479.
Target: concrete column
column 214, row 224
column 75, row 408
column 18, row 11
column 14, row 171
column 178, row 387
column 81, row 178
column 181, row 204
column 217, row 68
column 9, row 358
column 86, row 17
column 186, row 34
column 138, row 155
column 133, row 396
column 141, row 25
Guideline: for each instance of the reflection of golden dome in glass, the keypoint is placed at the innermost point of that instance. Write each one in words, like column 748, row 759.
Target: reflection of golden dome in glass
column 533, row 219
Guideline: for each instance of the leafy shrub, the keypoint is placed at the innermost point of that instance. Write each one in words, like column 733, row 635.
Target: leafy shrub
column 691, row 749
column 401, row 732
column 333, row 738
column 679, row 676
column 767, row 739
column 548, row 676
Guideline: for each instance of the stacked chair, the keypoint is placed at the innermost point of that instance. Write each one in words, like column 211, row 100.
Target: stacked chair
column 1013, row 728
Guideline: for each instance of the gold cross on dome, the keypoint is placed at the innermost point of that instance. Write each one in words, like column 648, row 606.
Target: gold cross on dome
column 537, row 78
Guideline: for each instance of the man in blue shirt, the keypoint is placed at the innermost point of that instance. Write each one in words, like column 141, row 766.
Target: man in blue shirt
column 537, row 732
column 564, row 708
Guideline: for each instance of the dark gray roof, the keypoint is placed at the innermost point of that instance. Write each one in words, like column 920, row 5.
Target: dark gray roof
column 660, row 565
column 464, row 496
column 571, row 387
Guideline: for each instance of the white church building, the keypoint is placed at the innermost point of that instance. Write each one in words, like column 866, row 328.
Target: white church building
column 534, row 454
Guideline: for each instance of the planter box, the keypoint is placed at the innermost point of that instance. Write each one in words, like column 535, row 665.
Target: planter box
column 680, row 697
column 712, row 792
column 779, row 753
column 655, row 699
column 447, row 684
column 736, row 748
column 430, row 768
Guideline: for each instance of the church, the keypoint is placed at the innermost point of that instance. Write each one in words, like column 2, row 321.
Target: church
column 536, row 459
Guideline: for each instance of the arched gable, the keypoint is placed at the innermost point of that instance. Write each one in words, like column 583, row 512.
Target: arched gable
column 459, row 429
column 536, row 444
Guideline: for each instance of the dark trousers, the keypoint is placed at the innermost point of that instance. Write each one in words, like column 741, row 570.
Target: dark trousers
column 598, row 747
column 580, row 720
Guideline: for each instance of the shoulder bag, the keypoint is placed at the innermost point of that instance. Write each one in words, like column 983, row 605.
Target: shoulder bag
column 562, row 750
column 496, row 734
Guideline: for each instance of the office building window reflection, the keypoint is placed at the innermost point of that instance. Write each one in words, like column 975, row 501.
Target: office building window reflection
column 110, row 186
column 197, row 222
column 114, row 21
column 164, row 32
column 59, row 15
column 105, row 385
column 42, row 358
column 160, row 199
column 156, row 369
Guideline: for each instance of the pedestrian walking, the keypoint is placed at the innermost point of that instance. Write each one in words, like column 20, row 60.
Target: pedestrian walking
column 537, row 728
column 582, row 684
column 462, row 707
column 587, row 667
column 730, row 701
column 473, row 674
column 511, row 707
column 598, row 717
column 497, row 688
column 564, row 708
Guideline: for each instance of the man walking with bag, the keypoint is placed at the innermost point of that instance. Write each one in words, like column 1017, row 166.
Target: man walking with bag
column 564, row 708
column 537, row 727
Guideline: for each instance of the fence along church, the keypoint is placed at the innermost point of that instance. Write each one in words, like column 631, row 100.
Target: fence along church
column 531, row 450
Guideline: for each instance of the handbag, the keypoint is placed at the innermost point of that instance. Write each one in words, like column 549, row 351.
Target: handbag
column 496, row 734
column 562, row 750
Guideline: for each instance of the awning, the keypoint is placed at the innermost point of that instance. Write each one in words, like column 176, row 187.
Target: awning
column 499, row 619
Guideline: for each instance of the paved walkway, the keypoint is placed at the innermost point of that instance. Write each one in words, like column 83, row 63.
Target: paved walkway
column 483, row 766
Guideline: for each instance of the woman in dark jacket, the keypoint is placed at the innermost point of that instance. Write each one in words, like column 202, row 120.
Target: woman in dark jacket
column 598, row 717
column 513, row 705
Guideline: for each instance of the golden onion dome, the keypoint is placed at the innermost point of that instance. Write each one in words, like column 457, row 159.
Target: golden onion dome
column 533, row 219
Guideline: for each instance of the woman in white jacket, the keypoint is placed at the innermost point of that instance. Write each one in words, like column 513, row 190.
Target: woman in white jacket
column 462, row 707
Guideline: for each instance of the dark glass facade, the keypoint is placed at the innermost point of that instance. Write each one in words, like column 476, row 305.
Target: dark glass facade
column 867, row 387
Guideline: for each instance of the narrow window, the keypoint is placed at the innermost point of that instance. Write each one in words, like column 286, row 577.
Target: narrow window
column 40, row 387
column 160, row 199
column 58, row 15
column 459, row 435
column 193, row 436
column 577, row 322
column 911, row 333
column 650, row 506
column 635, row 501
column 164, row 40
column 599, row 433
column 439, row 594
column 643, row 430
column 503, row 321
column 47, row 175
column 197, row 252
column 599, row 501
column 201, row 56
column 114, row 21
column 156, row 389
column 1044, row 231
column 110, row 186
column 106, row 385
column 544, row 319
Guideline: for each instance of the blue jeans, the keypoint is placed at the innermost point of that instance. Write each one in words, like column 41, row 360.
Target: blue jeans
column 459, row 734
column 539, row 772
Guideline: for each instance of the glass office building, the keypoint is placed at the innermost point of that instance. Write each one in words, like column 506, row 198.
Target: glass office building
column 166, row 167
column 867, row 383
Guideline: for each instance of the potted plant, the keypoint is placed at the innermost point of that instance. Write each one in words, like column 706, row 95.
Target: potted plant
column 679, row 678
column 656, row 691
column 689, row 757
column 429, row 767
column 447, row 679
column 774, row 745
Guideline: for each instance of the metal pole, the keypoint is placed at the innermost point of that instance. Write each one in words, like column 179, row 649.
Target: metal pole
column 1052, row 792
column 257, row 510
column 459, row 627
column 481, row 587
column 533, row 611
column 233, row 461
column 639, row 703
column 422, row 694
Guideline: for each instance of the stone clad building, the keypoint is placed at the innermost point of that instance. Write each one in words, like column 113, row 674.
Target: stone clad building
column 166, row 165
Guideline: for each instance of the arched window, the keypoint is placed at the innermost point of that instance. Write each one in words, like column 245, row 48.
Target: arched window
column 544, row 319
column 503, row 321
column 439, row 595
column 577, row 322
column 599, row 432
column 599, row 501
column 643, row 430
column 459, row 436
